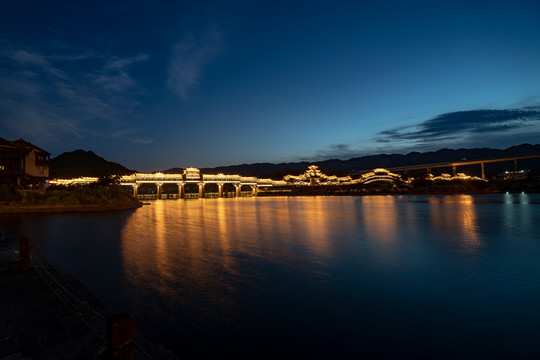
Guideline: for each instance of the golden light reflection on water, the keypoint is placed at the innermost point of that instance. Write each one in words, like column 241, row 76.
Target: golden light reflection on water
column 380, row 217
column 380, row 221
column 209, row 243
column 455, row 214
column 145, row 244
column 202, row 240
column 315, row 227
column 469, row 222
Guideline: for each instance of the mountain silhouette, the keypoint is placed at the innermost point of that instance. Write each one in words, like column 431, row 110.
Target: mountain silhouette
column 84, row 163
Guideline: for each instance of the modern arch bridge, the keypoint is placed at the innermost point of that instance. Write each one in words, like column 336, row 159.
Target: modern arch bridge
column 455, row 164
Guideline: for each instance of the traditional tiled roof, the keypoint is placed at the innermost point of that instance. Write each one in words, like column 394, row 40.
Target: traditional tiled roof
column 7, row 144
column 27, row 145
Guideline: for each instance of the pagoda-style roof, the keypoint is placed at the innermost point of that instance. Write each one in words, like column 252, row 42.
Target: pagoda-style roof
column 313, row 175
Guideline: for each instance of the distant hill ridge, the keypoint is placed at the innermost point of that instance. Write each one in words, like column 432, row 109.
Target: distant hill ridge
column 80, row 163
column 86, row 163
column 342, row 167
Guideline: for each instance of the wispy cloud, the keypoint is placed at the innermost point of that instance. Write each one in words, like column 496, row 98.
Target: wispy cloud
column 119, row 64
column 338, row 151
column 190, row 55
column 26, row 58
column 142, row 141
column 46, row 96
column 461, row 126
column 475, row 128
column 114, row 77
column 129, row 135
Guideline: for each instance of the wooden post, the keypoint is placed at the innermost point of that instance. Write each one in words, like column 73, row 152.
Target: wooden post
column 24, row 253
column 120, row 333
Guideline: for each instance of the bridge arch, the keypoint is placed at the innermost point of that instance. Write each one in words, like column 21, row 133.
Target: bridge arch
column 379, row 179
column 229, row 190
column 211, row 190
column 246, row 190
column 147, row 190
column 169, row 191
column 380, row 175
column 191, row 190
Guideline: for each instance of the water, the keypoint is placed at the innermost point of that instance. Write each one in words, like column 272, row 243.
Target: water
column 337, row 277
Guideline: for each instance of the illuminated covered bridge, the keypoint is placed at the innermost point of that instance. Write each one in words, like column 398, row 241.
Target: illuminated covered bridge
column 192, row 176
column 314, row 176
column 379, row 175
column 221, row 185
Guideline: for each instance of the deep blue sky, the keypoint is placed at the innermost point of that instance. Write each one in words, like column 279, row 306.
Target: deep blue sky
column 154, row 85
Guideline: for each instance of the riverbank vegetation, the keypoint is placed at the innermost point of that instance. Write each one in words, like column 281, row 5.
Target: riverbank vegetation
column 103, row 194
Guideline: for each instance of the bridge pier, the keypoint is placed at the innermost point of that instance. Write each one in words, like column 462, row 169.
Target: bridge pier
column 180, row 190
column 201, row 190
column 159, row 190
column 220, row 190
column 253, row 190
column 483, row 171
column 454, row 170
column 238, row 188
column 135, row 190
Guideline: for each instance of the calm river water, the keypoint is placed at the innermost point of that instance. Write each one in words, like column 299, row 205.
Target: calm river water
column 338, row 277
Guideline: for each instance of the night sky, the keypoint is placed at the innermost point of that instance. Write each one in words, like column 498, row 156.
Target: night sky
column 155, row 85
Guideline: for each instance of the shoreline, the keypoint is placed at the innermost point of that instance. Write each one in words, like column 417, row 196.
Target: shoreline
column 100, row 208
column 396, row 193
column 66, row 208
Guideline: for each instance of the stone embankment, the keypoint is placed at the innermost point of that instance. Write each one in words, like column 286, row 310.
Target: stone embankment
column 47, row 315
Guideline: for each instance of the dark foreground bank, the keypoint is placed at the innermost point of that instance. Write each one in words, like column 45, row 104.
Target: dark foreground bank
column 66, row 208
column 47, row 315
